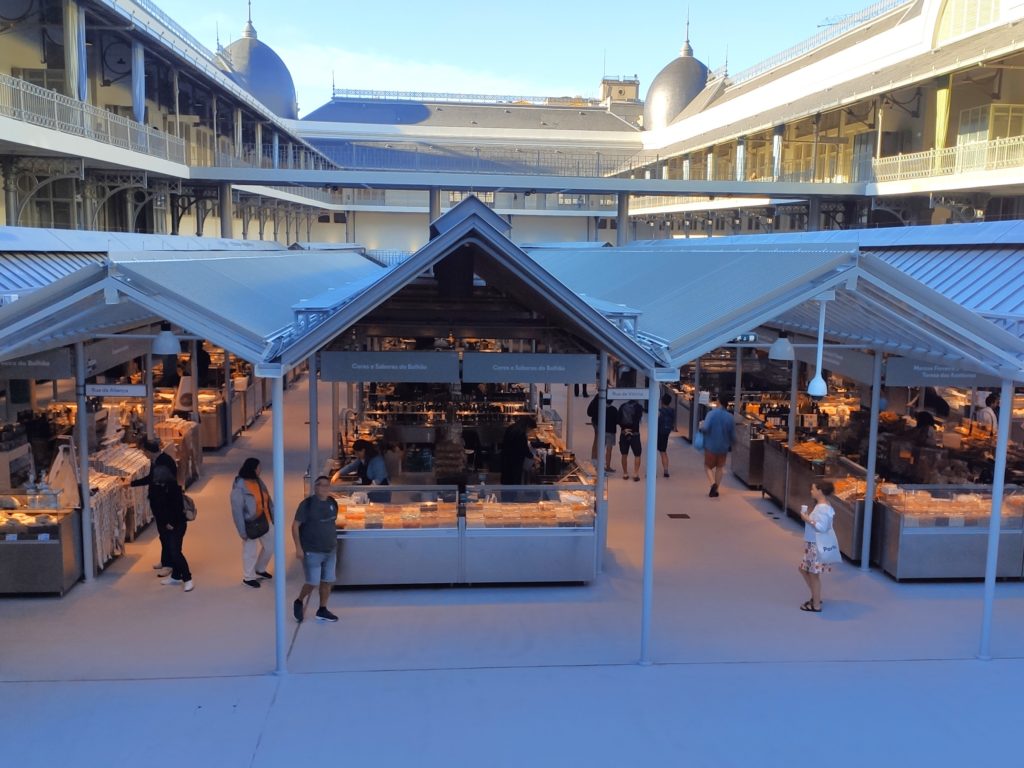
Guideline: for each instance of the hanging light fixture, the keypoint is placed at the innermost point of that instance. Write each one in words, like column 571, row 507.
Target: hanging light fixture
column 817, row 386
column 165, row 342
column 781, row 348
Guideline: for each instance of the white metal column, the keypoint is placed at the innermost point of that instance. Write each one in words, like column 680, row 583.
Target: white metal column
column 995, row 521
column 314, row 422
column 869, row 497
column 280, row 558
column 695, row 413
column 149, row 395
column 82, row 424
column 229, row 396
column 335, row 413
column 791, row 438
column 602, row 505
column 649, row 502
column 193, row 368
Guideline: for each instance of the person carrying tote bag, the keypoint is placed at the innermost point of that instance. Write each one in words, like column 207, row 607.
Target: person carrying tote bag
column 821, row 549
column 252, row 510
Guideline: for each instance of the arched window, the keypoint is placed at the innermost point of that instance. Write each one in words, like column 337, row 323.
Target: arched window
column 961, row 17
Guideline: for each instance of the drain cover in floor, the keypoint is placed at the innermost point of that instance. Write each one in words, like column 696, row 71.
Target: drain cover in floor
column 679, row 516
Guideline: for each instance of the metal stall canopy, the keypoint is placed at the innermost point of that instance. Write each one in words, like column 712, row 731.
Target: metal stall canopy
column 244, row 302
column 979, row 266
column 694, row 298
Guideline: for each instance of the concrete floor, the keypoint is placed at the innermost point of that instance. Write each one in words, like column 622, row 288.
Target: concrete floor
column 511, row 675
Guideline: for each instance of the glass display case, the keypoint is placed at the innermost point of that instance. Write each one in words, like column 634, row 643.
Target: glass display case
column 529, row 533
column 39, row 545
column 397, row 535
column 432, row 534
column 941, row 531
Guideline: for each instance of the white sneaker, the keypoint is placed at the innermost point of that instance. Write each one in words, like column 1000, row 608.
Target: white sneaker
column 170, row 580
column 189, row 586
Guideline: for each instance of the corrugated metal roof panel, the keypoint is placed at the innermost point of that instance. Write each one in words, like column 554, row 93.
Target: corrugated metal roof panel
column 22, row 272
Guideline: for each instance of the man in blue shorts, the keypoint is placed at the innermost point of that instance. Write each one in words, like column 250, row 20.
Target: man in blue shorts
column 316, row 545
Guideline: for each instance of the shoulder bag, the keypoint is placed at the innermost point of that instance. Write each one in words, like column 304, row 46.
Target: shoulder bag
column 189, row 507
column 828, row 545
column 257, row 527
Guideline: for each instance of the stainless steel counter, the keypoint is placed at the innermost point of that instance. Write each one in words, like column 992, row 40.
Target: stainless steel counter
column 748, row 456
column 50, row 566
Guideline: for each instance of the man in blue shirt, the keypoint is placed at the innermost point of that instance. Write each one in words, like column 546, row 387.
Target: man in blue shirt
column 718, row 429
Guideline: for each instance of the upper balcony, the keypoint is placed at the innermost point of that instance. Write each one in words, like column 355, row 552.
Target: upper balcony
column 978, row 164
column 42, row 108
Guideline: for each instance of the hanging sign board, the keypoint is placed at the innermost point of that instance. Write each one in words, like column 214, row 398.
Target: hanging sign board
column 115, row 390
column 422, row 367
column 497, row 367
column 52, row 364
column 906, row 372
column 627, row 393
column 104, row 354
column 848, row 363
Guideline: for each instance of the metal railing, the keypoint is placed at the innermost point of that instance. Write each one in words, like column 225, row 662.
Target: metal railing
column 38, row 106
column 829, row 33
column 387, row 258
column 499, row 160
column 464, row 98
column 294, row 156
column 977, row 156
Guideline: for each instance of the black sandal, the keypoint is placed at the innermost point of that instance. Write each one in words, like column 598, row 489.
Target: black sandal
column 809, row 606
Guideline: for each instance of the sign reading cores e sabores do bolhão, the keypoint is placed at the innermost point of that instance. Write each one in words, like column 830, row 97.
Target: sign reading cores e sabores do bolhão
column 486, row 367
column 424, row 367
column 477, row 367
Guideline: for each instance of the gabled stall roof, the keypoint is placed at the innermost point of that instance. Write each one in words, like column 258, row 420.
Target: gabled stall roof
column 696, row 297
column 505, row 265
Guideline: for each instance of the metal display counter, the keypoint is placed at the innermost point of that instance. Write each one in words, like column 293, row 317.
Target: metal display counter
column 849, row 518
column 748, row 455
column 41, row 558
column 493, row 534
column 941, row 532
column 778, row 461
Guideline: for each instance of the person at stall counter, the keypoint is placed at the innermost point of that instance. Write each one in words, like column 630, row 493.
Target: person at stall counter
column 666, row 425
column 368, row 465
column 252, row 509
column 986, row 416
column 631, row 413
column 516, row 454
column 162, row 469
column 167, row 501
column 719, row 432
column 818, row 519
column 315, row 534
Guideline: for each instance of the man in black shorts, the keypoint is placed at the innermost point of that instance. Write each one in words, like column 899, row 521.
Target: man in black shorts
column 630, row 415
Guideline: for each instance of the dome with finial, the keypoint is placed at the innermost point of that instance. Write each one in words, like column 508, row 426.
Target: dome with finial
column 254, row 66
column 674, row 87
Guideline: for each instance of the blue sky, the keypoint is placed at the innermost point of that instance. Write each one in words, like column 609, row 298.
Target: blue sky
column 525, row 47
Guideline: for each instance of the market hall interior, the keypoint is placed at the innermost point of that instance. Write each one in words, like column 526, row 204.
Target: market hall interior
column 726, row 590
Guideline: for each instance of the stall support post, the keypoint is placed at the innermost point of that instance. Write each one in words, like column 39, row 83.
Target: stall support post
column 229, row 396
column 149, row 395
column 791, row 438
column 869, row 493
column 602, row 505
column 193, row 372
column 349, row 389
column 994, row 520
column 314, row 421
column 695, row 414
column 568, row 417
column 739, row 385
column 82, row 423
column 335, row 425
column 649, row 501
column 280, row 558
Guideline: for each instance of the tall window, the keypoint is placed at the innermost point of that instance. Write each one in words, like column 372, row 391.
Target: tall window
column 961, row 17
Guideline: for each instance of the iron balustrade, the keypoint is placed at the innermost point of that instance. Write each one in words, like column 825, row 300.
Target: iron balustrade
column 993, row 155
column 38, row 106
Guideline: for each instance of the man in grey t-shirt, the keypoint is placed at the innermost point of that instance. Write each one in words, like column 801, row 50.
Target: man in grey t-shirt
column 316, row 545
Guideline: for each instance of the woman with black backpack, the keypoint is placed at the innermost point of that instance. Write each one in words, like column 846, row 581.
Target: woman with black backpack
column 167, row 501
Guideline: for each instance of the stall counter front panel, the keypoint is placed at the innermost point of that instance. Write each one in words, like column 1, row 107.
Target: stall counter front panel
column 500, row 534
